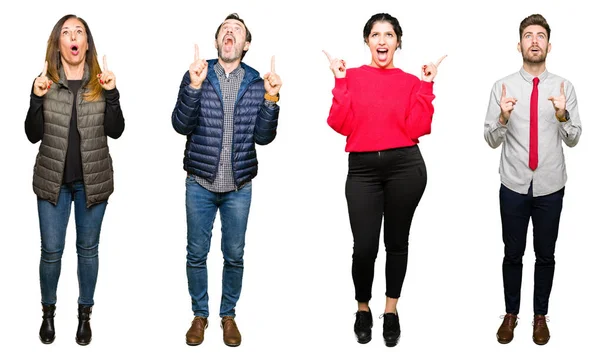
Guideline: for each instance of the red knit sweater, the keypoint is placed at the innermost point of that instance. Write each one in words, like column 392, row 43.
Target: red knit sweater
column 379, row 109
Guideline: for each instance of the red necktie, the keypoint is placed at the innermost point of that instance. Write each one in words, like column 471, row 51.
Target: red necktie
column 533, row 126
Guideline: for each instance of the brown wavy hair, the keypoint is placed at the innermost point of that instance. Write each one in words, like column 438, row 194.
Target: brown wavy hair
column 93, row 88
column 535, row 19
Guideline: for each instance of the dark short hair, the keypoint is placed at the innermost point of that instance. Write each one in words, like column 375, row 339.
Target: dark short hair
column 235, row 16
column 383, row 17
column 535, row 19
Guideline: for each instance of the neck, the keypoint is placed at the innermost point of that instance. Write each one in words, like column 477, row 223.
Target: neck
column 534, row 69
column 73, row 72
column 229, row 66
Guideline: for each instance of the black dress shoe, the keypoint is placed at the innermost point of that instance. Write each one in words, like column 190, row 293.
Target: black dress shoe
column 391, row 329
column 362, row 326
column 84, row 331
column 47, row 333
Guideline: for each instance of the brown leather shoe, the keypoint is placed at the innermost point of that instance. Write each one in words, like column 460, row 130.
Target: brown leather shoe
column 195, row 335
column 541, row 334
column 506, row 330
column 231, row 334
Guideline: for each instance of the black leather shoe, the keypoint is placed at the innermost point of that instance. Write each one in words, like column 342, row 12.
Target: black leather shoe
column 362, row 326
column 84, row 331
column 47, row 333
column 391, row 329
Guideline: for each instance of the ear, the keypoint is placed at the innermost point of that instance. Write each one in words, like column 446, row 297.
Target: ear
column 549, row 47
column 246, row 45
column 216, row 45
column 519, row 46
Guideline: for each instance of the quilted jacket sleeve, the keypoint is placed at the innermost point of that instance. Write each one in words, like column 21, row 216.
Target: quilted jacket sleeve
column 185, row 114
column 266, row 124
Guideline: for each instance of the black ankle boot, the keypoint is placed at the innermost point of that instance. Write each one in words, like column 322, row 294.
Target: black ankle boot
column 84, row 331
column 47, row 333
column 362, row 326
column 391, row 329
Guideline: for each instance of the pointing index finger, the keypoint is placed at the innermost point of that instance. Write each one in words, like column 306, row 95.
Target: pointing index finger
column 104, row 63
column 440, row 61
column 273, row 64
column 562, row 88
column 503, row 90
column 45, row 68
column 196, row 52
column 327, row 54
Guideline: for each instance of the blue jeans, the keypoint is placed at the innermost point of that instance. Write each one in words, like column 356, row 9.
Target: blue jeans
column 201, row 209
column 53, row 229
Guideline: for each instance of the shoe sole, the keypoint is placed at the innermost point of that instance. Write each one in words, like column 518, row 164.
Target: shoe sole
column 233, row 345
column 47, row 342
column 503, row 342
column 391, row 344
column 366, row 341
column 541, row 343
column 82, row 343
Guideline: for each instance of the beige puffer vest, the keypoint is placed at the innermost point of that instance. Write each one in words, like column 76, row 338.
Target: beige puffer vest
column 50, row 161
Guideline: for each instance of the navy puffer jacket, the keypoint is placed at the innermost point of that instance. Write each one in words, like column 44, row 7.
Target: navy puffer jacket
column 199, row 115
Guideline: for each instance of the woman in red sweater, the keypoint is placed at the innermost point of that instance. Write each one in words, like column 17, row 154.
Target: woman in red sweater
column 383, row 111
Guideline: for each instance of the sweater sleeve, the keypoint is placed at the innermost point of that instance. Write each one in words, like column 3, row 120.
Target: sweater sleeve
column 340, row 117
column 34, row 122
column 421, row 110
column 114, row 123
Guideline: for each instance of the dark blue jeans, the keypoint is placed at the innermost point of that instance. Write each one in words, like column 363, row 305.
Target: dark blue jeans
column 53, row 230
column 201, row 209
column 516, row 210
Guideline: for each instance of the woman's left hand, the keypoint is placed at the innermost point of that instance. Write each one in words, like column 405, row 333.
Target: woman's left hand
column 107, row 79
column 429, row 71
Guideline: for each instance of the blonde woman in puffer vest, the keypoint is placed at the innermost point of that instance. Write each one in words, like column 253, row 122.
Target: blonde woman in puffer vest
column 74, row 107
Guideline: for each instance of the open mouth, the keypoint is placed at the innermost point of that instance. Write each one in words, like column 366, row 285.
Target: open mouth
column 74, row 49
column 382, row 54
column 228, row 40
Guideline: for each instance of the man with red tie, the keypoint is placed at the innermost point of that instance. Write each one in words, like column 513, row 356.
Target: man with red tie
column 531, row 113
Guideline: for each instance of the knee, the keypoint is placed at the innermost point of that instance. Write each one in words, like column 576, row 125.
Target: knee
column 196, row 260
column 87, row 241
column 364, row 254
column 397, row 249
column 544, row 260
column 51, row 255
column 233, row 256
column 513, row 259
column 87, row 251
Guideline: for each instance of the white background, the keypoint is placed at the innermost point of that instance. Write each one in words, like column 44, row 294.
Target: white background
column 298, row 298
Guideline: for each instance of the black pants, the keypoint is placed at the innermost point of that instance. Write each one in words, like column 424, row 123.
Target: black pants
column 389, row 182
column 516, row 210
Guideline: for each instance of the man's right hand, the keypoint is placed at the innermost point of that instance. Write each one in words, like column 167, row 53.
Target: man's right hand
column 41, row 85
column 198, row 70
column 337, row 66
column 507, row 104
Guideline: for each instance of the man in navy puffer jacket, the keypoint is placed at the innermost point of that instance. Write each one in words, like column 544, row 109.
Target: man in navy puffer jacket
column 224, row 107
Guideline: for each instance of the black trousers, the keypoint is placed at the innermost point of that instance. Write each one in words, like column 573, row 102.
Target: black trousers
column 383, row 185
column 516, row 210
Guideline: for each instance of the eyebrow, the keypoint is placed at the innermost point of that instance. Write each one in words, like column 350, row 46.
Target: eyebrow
column 536, row 33
column 76, row 26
